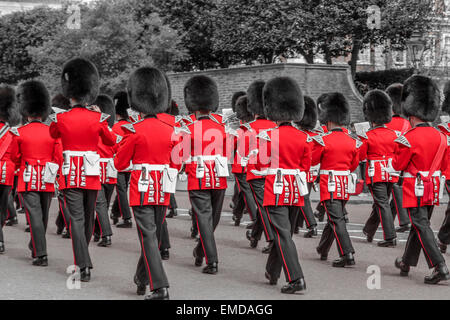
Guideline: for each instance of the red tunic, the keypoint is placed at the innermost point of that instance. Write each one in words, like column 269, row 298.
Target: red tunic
column 378, row 147
column 399, row 124
column 106, row 155
column 416, row 151
column 80, row 130
column 7, row 166
column 445, row 129
column 241, row 142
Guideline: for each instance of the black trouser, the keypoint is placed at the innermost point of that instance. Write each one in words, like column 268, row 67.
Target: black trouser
column 262, row 223
column 173, row 202
column 150, row 270
column 102, row 224
column 306, row 212
column 121, row 206
column 164, row 242
column 246, row 193
column 81, row 204
column 207, row 207
column 335, row 228
column 381, row 211
column 397, row 205
column 444, row 232
column 283, row 254
column 37, row 206
column 238, row 201
column 11, row 208
column 420, row 237
column 63, row 219
column 4, row 194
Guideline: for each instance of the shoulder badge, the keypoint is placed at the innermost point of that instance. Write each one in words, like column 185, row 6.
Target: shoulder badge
column 178, row 118
column 308, row 138
column 183, row 129
column 398, row 133
column 104, row 117
column 119, row 139
column 264, row 135
column 53, row 117
column 214, row 119
column 402, row 140
column 358, row 144
column 247, row 126
column 129, row 127
column 14, row 131
column 135, row 117
column 319, row 140
column 448, row 140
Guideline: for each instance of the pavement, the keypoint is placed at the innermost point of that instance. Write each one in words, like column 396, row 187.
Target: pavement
column 241, row 269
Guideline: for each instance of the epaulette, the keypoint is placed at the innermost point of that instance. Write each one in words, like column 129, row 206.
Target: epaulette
column 178, row 118
column 14, row 131
column 183, row 129
column 448, row 140
column 104, row 117
column 247, row 126
column 119, row 139
column 319, row 140
column 398, row 133
column 402, row 140
column 129, row 127
column 53, row 117
column 444, row 126
column 358, row 144
column 264, row 135
column 135, row 118
column 214, row 119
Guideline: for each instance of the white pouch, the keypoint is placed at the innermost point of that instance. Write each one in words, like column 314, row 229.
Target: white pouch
column 331, row 183
column 278, row 184
column 222, row 167
column 419, row 188
column 200, row 170
column 442, row 187
column 371, row 170
column 352, row 181
column 144, row 181
column 302, row 184
column 111, row 171
column 169, row 183
column 50, row 172
column 91, row 163
column 66, row 165
column 27, row 174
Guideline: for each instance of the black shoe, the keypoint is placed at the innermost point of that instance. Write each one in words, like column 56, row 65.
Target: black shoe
column 294, row 286
column 346, row 219
column 96, row 237
column 296, row 230
column 311, row 233
column 2, row 247
column 404, row 268
column 125, row 224
column 21, row 211
column 85, row 275
column 158, row 294
column 319, row 216
column 194, row 233
column 404, row 228
column 253, row 241
column 210, row 268
column 250, row 225
column 27, row 229
column 140, row 288
column 115, row 220
column 323, row 257
column 272, row 281
column 439, row 274
column 442, row 247
column 267, row 249
column 237, row 221
column 106, row 242
column 59, row 230
column 388, row 243
column 347, row 260
column 40, row 261
column 198, row 260
column 66, row 234
column 12, row 222
column 368, row 237
column 172, row 213
column 165, row 255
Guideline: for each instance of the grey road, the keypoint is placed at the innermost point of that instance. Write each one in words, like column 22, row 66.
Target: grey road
column 241, row 269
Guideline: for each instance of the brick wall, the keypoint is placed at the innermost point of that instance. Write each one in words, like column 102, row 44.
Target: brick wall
column 313, row 79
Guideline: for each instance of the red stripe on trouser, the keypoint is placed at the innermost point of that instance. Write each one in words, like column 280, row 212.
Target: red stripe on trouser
column 164, row 219
column 99, row 225
column 145, row 256
column 304, row 216
column 62, row 213
column 281, row 250
column 201, row 239
column 396, row 207
column 71, row 235
column 245, row 200
column 260, row 212
column 334, row 229
column 31, row 231
column 420, row 238
column 379, row 210
column 95, row 207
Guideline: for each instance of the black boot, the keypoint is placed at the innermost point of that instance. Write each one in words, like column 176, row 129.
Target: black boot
column 85, row 275
column 404, row 228
column 106, row 242
column 253, row 241
column 198, row 260
column 319, row 216
column 294, row 286
column 126, row 224
column 27, row 229
column 347, row 260
column 268, row 248
column 311, row 233
column 2, row 247
column 172, row 213
column 59, row 230
column 140, row 287
column 66, row 234
column 272, row 281
column 250, row 225
column 296, row 230
column 210, row 268
column 388, row 243
column 442, row 247
column 404, row 268
column 96, row 237
column 194, row 233
column 369, row 237
column 40, row 261
column 12, row 222
column 323, row 257
column 158, row 294
column 439, row 274
column 165, row 255
column 237, row 220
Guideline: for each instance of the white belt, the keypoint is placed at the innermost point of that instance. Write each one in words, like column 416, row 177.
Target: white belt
column 270, row 172
column 151, row 167
column 105, row 160
column 335, row 173
column 423, row 173
column 78, row 153
column 204, row 158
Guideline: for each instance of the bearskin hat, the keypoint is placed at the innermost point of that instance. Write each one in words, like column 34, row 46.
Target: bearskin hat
column 106, row 105
column 446, row 103
column 7, row 102
column 421, row 98
column 310, row 116
column 60, row 102
column 33, row 100
column 255, row 97
column 80, row 80
column 283, row 100
column 121, row 104
column 395, row 93
column 333, row 107
column 235, row 98
column 201, row 94
column 242, row 112
column 147, row 91
column 377, row 107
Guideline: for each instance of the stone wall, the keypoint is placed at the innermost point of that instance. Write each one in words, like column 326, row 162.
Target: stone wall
column 313, row 79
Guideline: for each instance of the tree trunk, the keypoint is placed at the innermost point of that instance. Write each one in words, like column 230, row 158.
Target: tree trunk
column 354, row 59
column 308, row 55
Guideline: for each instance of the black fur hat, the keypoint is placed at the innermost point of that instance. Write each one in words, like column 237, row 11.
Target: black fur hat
column 255, row 97
column 33, row 99
column 421, row 98
column 147, row 91
column 201, row 94
column 60, row 102
column 283, row 100
column 80, row 80
column 121, row 104
column 242, row 112
column 377, row 107
column 7, row 102
column 106, row 105
column 395, row 93
column 310, row 116
column 333, row 107
column 446, row 103
column 235, row 98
